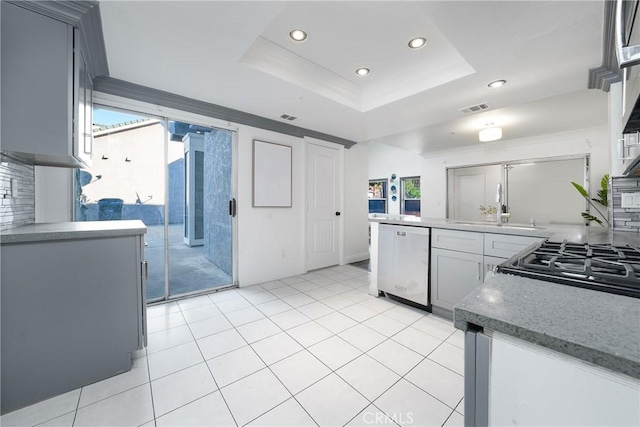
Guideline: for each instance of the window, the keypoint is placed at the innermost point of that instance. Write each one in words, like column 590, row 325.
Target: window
column 410, row 195
column 378, row 196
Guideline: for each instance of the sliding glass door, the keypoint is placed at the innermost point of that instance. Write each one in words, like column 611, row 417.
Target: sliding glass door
column 177, row 178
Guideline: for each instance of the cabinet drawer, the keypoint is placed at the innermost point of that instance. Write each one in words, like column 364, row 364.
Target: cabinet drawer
column 506, row 246
column 463, row 241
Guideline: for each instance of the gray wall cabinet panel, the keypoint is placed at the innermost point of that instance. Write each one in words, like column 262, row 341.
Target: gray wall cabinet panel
column 71, row 315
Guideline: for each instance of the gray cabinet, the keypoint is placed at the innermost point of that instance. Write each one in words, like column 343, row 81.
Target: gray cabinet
column 506, row 245
column 403, row 267
column 454, row 275
column 40, row 84
column 73, row 311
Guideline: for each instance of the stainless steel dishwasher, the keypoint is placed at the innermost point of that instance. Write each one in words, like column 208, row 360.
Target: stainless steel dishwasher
column 403, row 262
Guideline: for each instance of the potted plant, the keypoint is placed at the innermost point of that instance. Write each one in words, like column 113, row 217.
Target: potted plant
column 602, row 200
column 489, row 212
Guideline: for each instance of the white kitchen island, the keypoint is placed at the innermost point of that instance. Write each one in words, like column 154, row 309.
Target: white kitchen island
column 73, row 306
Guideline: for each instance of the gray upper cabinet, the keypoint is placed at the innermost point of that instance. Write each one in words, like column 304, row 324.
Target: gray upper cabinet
column 41, row 92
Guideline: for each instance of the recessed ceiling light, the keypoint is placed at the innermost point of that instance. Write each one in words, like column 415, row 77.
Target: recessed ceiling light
column 298, row 35
column 490, row 134
column 497, row 83
column 363, row 71
column 417, row 43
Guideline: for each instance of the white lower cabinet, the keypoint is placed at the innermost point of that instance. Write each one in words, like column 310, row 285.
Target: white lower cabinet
column 454, row 275
column 490, row 263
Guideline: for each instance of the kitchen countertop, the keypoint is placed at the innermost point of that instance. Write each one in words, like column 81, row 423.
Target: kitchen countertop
column 593, row 326
column 71, row 230
column 554, row 232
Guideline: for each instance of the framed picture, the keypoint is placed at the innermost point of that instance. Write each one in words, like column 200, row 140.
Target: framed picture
column 271, row 175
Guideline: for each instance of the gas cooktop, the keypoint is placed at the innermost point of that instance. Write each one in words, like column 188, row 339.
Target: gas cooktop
column 607, row 268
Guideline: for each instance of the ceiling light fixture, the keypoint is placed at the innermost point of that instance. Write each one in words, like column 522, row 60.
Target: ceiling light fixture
column 490, row 134
column 417, row 43
column 363, row 71
column 297, row 35
column 497, row 83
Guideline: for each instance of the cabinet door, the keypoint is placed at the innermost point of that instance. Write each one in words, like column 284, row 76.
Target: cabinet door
column 37, row 91
column 506, row 245
column 453, row 276
column 490, row 263
column 456, row 240
column 83, row 111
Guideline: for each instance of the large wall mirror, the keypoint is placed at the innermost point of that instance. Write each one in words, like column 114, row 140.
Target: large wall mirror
column 538, row 189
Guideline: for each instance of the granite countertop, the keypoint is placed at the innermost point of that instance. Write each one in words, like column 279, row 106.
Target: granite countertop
column 71, row 230
column 554, row 232
column 593, row 326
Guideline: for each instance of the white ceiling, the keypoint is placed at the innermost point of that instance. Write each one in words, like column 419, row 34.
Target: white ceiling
column 238, row 54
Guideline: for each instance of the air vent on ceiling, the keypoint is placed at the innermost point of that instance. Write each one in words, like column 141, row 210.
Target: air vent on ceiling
column 288, row 117
column 475, row 108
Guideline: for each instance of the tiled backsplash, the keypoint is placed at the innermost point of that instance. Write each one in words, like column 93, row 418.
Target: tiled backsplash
column 18, row 205
column 625, row 219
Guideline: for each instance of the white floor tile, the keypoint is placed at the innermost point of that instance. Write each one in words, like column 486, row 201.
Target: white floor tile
column 182, row 387
column 131, row 408
column 220, row 343
column 210, row 326
column 395, row 356
column 42, row 411
column 417, row 340
column 298, row 299
column 274, row 284
column 336, row 322
column 438, row 381
column 137, row 376
column 292, row 280
column 339, row 277
column 289, row 319
column 65, row 420
column 226, row 295
column 161, row 323
column 323, row 281
column 258, row 330
column 358, row 312
column 168, row 338
column 457, row 339
column 410, row 406
column 367, row 376
column 339, row 288
column 437, row 328
column 405, row 314
column 173, row 359
column 362, row 337
column 194, row 302
column 244, row 315
column 355, row 283
column 273, row 307
column 356, row 295
column 337, row 302
column 310, row 276
column 254, row 395
column 379, row 304
column 284, row 291
column 305, row 286
column 319, row 293
column 161, row 310
column 211, row 410
column 371, row 416
column 385, row 325
column 276, row 348
column 260, row 297
column 232, row 305
column 455, row 420
column 299, row 371
column 315, row 309
column 331, row 401
column 235, row 365
column 460, row 407
column 201, row 313
column 449, row 356
column 287, row 414
column 335, row 352
column 309, row 333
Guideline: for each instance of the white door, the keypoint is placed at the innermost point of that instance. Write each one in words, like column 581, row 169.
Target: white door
column 323, row 206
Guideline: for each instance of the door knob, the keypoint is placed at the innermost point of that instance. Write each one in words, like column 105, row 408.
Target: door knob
column 337, row 213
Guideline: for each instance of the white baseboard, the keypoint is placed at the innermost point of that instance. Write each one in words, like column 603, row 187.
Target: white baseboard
column 356, row 257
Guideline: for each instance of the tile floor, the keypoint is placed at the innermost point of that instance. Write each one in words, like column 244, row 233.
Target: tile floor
column 308, row 350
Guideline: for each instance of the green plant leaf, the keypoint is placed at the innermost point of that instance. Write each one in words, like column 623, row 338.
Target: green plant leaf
column 590, row 217
column 580, row 189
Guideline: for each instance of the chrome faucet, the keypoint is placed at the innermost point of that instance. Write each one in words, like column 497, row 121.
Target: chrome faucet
column 502, row 215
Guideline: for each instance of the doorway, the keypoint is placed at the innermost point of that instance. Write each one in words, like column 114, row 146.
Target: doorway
column 177, row 178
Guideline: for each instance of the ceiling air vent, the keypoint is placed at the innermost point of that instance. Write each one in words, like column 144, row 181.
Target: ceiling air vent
column 475, row 108
column 288, row 117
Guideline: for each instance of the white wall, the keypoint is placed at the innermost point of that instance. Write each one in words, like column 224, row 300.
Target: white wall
column 385, row 160
column 434, row 176
column 54, row 194
column 356, row 208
